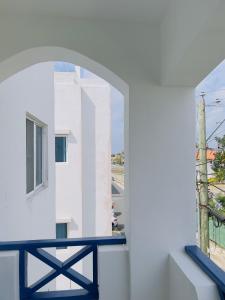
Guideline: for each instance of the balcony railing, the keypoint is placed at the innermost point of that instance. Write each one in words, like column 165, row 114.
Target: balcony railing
column 89, row 289
column 209, row 267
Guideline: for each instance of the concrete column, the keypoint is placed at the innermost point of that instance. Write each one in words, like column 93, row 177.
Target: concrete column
column 161, row 183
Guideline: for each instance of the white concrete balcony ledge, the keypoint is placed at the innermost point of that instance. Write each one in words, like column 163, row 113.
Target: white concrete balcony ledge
column 187, row 281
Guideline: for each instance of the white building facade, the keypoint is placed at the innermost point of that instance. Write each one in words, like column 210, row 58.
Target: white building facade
column 83, row 160
column 28, row 206
column 83, row 175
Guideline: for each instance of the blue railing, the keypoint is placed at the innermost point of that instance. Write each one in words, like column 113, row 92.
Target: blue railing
column 209, row 267
column 89, row 289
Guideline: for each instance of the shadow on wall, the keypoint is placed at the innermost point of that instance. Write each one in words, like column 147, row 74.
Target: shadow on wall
column 89, row 166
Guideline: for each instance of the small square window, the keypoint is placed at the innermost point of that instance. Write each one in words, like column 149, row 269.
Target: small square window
column 60, row 149
column 61, row 232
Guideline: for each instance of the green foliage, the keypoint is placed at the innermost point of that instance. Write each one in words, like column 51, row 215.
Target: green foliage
column 212, row 204
column 220, row 142
column 221, row 199
column 218, row 165
column 218, row 203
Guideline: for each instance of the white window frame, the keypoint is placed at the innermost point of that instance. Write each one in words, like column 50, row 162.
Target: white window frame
column 66, row 137
column 44, row 127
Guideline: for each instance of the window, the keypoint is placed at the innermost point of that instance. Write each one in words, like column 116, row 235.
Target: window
column 60, row 149
column 34, row 154
column 61, row 232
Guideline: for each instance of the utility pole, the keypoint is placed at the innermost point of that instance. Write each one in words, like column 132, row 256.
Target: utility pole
column 203, row 185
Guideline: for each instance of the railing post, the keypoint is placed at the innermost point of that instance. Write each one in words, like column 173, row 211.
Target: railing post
column 22, row 273
column 95, row 268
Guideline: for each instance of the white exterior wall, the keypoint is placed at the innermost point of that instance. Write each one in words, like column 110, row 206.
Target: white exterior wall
column 83, row 183
column 22, row 217
column 68, row 174
column 96, row 157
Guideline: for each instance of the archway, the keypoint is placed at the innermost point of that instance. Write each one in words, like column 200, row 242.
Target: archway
column 37, row 55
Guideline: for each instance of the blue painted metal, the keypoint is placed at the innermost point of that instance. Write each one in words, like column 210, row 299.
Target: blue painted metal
column 23, row 272
column 64, row 295
column 34, row 247
column 209, row 267
column 34, row 244
column 95, row 269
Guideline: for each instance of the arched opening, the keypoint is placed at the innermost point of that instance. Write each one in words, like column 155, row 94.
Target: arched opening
column 34, row 124
column 210, row 174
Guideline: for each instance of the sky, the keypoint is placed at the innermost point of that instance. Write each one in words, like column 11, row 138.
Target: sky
column 117, row 105
column 214, row 88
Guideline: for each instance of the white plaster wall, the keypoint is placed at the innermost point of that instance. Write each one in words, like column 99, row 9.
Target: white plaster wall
column 83, row 183
column 160, row 118
column 25, row 218
column 161, row 189
column 187, row 281
column 162, row 206
column 68, row 175
column 96, row 141
column 113, row 270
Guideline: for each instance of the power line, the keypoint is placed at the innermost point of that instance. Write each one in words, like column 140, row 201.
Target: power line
column 217, row 134
column 221, row 123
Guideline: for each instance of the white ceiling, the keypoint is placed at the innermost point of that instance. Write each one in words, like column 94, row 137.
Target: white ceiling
column 124, row 10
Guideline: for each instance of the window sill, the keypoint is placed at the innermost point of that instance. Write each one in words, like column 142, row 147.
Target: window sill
column 64, row 220
column 37, row 190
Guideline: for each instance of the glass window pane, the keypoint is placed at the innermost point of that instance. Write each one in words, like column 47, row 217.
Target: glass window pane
column 61, row 232
column 39, row 154
column 60, row 149
column 29, row 155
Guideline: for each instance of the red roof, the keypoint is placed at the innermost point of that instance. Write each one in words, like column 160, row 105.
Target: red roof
column 210, row 154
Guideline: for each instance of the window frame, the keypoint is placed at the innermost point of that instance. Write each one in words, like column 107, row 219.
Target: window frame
column 44, row 127
column 66, row 137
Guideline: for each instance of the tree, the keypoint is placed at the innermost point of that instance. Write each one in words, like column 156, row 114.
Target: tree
column 218, row 165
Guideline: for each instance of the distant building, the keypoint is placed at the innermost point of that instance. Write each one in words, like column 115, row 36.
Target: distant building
column 210, row 156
